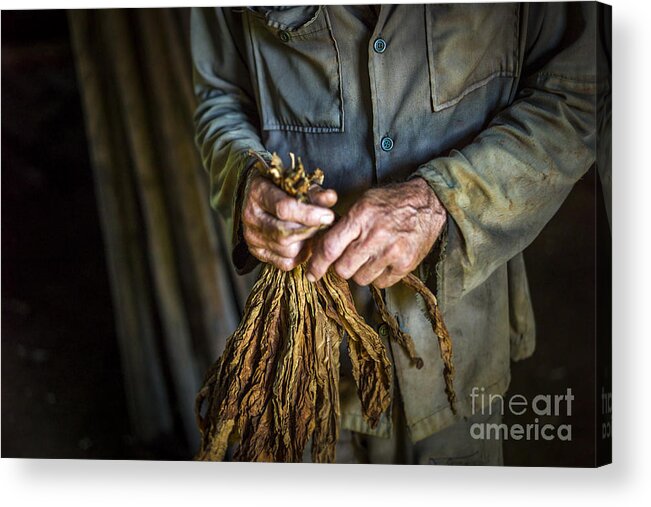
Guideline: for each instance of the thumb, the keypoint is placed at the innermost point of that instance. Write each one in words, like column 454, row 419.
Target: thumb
column 322, row 197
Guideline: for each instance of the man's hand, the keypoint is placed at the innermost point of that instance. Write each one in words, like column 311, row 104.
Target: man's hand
column 277, row 225
column 383, row 237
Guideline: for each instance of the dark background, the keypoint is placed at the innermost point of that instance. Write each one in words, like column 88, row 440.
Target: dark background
column 62, row 389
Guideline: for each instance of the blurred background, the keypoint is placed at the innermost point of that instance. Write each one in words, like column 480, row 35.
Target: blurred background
column 117, row 289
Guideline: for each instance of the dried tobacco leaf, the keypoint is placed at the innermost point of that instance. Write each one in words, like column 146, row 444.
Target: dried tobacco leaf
column 277, row 382
column 441, row 332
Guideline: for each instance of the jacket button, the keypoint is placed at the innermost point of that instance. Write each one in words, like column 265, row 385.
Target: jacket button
column 284, row 36
column 380, row 45
column 383, row 330
column 386, row 144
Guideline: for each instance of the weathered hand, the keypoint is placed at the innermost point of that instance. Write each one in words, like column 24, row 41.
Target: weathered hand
column 276, row 225
column 383, row 237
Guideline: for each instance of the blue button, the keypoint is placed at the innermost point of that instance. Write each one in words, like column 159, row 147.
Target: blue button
column 386, row 144
column 380, row 45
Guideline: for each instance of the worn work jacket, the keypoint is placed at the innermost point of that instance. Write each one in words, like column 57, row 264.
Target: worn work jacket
column 493, row 104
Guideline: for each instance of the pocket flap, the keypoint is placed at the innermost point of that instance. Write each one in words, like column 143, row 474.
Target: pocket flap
column 297, row 69
column 468, row 45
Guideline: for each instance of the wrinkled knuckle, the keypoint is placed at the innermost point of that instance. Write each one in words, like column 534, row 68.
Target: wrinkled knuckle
column 351, row 225
column 364, row 207
column 260, row 185
column 330, row 248
column 396, row 252
column 282, row 239
column 248, row 215
column 293, row 250
column 312, row 216
column 251, row 198
column 343, row 270
column 401, row 263
column 378, row 236
column 318, row 265
column 283, row 209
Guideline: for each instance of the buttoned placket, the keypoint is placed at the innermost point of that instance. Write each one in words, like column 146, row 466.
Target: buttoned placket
column 378, row 48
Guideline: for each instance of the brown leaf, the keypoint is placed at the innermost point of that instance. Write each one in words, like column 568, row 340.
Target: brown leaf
column 277, row 383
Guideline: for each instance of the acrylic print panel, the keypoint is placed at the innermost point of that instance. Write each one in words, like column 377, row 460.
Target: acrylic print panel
column 446, row 301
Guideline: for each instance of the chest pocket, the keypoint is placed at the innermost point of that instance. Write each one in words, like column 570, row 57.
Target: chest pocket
column 297, row 68
column 468, row 46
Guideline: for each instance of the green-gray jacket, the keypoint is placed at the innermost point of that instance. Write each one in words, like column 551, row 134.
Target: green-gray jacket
column 493, row 104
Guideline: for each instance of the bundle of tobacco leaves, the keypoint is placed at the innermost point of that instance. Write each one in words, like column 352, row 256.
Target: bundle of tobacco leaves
column 277, row 382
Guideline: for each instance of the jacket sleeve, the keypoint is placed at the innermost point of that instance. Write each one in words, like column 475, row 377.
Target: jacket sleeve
column 502, row 188
column 226, row 118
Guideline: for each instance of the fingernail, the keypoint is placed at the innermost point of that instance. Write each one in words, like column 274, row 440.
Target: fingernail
column 327, row 219
column 310, row 278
